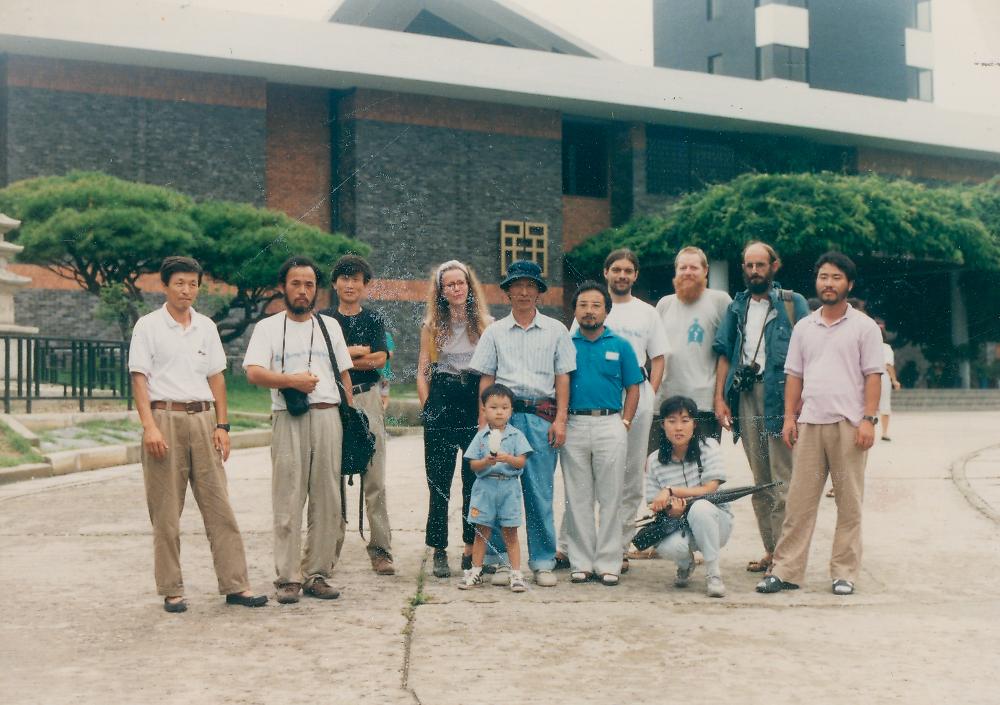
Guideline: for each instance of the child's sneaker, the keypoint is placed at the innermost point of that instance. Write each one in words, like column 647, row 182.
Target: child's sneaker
column 517, row 581
column 472, row 578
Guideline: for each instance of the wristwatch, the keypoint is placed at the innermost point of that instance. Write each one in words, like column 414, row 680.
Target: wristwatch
column 223, row 426
column 873, row 419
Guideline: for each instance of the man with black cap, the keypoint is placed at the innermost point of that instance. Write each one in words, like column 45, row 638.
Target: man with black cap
column 532, row 354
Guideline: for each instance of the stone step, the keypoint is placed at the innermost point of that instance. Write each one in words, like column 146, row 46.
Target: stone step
column 946, row 400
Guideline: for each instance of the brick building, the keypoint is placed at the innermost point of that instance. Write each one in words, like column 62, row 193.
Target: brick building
column 430, row 130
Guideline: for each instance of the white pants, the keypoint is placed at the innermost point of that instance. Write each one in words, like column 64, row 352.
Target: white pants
column 593, row 464
column 710, row 530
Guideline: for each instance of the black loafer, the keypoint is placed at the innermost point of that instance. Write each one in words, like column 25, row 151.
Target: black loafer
column 246, row 600
column 175, row 607
column 773, row 583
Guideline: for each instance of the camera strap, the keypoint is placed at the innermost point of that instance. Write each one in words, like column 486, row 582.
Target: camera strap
column 312, row 334
column 763, row 326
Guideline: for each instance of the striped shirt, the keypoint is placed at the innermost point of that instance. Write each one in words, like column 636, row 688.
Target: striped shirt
column 526, row 359
column 659, row 476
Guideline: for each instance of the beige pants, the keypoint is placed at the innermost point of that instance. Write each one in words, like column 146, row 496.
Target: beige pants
column 822, row 449
column 305, row 456
column 770, row 460
column 376, row 506
column 191, row 457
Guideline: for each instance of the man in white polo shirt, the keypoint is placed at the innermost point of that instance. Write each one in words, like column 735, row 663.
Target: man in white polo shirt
column 176, row 361
column 288, row 354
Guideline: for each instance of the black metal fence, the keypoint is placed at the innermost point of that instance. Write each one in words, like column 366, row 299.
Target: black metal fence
column 40, row 368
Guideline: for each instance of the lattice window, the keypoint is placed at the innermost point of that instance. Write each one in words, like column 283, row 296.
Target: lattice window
column 524, row 240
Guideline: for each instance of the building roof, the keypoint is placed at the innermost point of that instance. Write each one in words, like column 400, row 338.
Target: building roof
column 336, row 55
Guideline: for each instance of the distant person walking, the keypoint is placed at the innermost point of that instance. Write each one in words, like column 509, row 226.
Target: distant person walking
column 177, row 362
column 448, row 390
column 889, row 381
column 834, row 368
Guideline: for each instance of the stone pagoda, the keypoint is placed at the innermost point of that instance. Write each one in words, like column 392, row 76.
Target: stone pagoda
column 10, row 282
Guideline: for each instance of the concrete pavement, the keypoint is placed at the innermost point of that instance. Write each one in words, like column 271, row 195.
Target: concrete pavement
column 82, row 624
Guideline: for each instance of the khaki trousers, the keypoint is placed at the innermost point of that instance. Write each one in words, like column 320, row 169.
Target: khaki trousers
column 191, row 457
column 770, row 460
column 380, row 535
column 305, row 457
column 822, row 449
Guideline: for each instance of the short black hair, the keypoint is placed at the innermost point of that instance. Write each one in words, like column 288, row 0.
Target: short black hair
column 621, row 253
column 591, row 285
column 839, row 260
column 349, row 265
column 175, row 265
column 298, row 261
column 675, row 405
column 497, row 390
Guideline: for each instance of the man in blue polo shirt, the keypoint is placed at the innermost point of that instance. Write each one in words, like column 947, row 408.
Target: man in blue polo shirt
column 593, row 458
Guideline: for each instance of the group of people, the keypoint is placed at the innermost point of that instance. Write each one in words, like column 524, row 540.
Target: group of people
column 630, row 402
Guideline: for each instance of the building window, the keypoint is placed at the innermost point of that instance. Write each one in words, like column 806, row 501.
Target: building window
column 779, row 61
column 790, row 3
column 712, row 8
column 585, row 159
column 920, row 84
column 919, row 15
column 715, row 63
column 679, row 160
column 523, row 240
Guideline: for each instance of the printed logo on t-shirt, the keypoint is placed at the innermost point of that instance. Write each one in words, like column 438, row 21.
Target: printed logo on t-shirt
column 696, row 334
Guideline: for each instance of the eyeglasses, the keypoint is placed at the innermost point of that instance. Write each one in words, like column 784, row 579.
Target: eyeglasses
column 455, row 285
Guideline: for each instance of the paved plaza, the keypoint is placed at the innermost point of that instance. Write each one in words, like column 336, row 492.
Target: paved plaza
column 82, row 623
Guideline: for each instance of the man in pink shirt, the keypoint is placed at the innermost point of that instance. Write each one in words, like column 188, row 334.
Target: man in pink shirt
column 833, row 373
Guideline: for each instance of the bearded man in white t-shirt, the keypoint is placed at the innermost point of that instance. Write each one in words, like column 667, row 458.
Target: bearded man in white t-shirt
column 637, row 322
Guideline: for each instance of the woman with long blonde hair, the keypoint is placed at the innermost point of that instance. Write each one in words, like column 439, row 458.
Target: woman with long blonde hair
column 448, row 391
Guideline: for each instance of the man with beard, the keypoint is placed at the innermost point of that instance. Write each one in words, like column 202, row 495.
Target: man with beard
column 833, row 374
column 637, row 322
column 532, row 355
column 691, row 317
column 604, row 394
column 288, row 354
column 752, row 343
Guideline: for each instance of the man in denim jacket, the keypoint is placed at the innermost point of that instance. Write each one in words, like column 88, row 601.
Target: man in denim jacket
column 752, row 342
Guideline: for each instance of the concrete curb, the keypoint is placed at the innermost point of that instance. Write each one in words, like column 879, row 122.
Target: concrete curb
column 959, row 477
column 86, row 459
column 15, row 425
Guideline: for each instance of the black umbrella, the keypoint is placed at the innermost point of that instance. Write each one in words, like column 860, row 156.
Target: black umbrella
column 655, row 527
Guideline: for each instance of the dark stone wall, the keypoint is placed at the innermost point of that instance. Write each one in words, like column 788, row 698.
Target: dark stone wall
column 423, row 195
column 207, row 151
column 68, row 313
column 858, row 46
column 684, row 37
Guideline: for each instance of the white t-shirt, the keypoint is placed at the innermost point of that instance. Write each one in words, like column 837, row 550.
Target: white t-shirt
column 265, row 350
column 758, row 314
column 690, row 332
column 176, row 361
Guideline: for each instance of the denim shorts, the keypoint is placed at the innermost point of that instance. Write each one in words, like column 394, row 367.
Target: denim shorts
column 496, row 502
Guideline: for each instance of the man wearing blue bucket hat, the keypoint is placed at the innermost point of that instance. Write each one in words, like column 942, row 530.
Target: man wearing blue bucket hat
column 532, row 354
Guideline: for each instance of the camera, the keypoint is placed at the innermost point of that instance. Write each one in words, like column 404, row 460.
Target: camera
column 297, row 402
column 745, row 377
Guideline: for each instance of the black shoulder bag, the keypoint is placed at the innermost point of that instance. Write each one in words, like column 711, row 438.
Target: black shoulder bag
column 358, row 446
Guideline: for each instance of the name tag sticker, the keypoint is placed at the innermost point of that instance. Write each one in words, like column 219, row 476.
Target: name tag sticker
column 610, row 355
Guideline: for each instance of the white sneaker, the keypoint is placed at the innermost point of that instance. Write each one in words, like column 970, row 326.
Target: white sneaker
column 471, row 579
column 714, row 587
column 501, row 578
column 517, row 581
column 545, row 578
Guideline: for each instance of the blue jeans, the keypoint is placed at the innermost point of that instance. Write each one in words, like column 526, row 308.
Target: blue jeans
column 537, row 485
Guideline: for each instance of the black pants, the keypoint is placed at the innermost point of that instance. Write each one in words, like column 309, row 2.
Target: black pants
column 710, row 428
column 450, row 417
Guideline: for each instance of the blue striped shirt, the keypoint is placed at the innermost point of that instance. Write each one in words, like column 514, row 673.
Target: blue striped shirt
column 526, row 359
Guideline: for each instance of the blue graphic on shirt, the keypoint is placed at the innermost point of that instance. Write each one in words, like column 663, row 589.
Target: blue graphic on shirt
column 696, row 334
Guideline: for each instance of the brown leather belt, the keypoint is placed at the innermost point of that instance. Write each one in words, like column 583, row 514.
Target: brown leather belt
column 322, row 405
column 191, row 407
column 362, row 388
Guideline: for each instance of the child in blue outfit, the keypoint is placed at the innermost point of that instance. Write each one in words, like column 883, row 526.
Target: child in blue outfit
column 497, row 455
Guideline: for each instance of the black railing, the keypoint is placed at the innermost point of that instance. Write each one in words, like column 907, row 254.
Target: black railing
column 39, row 368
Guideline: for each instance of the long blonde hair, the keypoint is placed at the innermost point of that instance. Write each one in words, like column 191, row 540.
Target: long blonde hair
column 438, row 318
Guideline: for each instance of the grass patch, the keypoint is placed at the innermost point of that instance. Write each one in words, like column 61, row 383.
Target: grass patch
column 15, row 450
column 243, row 396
